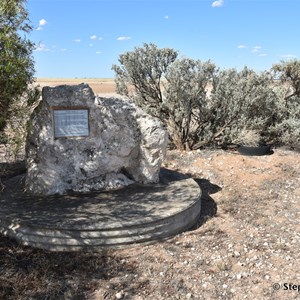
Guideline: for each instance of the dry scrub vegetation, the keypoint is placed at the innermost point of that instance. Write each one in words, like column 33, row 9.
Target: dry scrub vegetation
column 247, row 239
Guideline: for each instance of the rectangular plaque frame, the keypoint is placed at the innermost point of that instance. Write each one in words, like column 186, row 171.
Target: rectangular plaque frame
column 71, row 122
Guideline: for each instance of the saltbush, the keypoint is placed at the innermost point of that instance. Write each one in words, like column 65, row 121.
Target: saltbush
column 239, row 101
column 186, row 98
column 286, row 129
column 140, row 74
column 202, row 105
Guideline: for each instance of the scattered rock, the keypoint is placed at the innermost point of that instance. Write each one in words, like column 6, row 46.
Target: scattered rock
column 120, row 295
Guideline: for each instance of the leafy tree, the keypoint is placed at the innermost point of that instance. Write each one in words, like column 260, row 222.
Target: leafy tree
column 16, row 63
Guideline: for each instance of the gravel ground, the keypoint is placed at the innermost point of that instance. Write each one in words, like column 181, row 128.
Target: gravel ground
column 245, row 246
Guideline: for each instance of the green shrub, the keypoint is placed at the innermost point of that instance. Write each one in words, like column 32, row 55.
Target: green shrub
column 239, row 101
column 288, row 72
column 286, row 129
column 201, row 105
column 186, row 98
column 287, row 133
column 140, row 76
column 170, row 89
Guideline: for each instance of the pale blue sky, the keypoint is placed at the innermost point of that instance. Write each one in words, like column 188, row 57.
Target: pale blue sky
column 83, row 38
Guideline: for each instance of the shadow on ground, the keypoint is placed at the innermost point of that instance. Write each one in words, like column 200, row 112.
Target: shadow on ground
column 8, row 170
column 28, row 273
column 208, row 205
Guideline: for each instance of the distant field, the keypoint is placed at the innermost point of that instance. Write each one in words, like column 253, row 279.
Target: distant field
column 99, row 85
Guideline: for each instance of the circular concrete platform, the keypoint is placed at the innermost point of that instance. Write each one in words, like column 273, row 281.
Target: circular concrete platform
column 135, row 214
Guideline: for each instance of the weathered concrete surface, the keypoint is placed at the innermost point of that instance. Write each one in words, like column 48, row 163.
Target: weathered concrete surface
column 125, row 145
column 135, row 214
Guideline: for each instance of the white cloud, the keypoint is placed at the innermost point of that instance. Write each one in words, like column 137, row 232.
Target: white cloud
column 218, row 3
column 166, row 17
column 100, row 38
column 77, row 40
column 42, row 23
column 41, row 48
column 91, row 45
column 256, row 49
column 98, row 52
column 63, row 49
column 263, row 54
column 242, row 46
column 93, row 37
column 288, row 56
column 123, row 38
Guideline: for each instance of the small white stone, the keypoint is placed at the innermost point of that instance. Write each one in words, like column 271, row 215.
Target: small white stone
column 120, row 295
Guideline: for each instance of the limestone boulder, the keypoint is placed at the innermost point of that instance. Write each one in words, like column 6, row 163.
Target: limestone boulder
column 119, row 145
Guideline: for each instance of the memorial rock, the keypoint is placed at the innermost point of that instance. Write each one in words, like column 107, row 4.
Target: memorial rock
column 79, row 142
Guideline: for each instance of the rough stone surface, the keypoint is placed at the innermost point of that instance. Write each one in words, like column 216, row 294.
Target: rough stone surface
column 125, row 145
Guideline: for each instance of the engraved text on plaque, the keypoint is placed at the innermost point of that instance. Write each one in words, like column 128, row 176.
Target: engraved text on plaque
column 71, row 122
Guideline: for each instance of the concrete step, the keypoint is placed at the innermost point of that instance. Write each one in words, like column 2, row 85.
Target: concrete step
column 97, row 221
column 68, row 239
